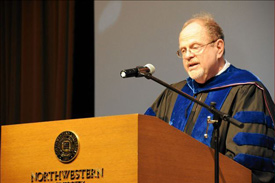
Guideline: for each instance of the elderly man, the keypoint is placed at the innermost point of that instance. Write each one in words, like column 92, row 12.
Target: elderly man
column 236, row 92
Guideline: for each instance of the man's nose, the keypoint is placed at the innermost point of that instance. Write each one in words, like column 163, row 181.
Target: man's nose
column 188, row 54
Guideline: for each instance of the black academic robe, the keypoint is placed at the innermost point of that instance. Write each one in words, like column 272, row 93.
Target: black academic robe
column 241, row 95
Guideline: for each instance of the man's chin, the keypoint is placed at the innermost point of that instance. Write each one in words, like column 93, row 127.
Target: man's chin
column 196, row 75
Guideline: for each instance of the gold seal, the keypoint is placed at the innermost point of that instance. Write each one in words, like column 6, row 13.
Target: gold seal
column 66, row 146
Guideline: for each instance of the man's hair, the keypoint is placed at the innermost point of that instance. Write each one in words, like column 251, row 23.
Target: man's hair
column 213, row 28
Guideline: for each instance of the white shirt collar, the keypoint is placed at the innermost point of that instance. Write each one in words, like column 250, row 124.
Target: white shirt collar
column 226, row 65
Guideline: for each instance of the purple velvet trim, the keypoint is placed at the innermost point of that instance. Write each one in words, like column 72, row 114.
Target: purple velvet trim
column 231, row 76
column 254, row 139
column 199, row 130
column 254, row 117
column 150, row 112
column 178, row 117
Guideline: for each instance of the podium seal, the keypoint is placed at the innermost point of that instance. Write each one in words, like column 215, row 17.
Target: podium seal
column 66, row 146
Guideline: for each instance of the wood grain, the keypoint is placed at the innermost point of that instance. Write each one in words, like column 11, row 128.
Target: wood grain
column 131, row 148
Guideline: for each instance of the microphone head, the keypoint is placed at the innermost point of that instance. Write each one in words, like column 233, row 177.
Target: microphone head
column 151, row 68
column 138, row 71
column 123, row 74
column 129, row 73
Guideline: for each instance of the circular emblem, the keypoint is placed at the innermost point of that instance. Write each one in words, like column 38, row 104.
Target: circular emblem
column 66, row 146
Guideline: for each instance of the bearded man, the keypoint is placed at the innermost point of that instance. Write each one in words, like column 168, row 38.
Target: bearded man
column 236, row 92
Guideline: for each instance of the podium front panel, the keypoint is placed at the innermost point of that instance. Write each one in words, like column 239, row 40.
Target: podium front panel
column 116, row 149
column 107, row 151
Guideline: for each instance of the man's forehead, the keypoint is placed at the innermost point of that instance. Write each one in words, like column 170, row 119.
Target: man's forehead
column 193, row 31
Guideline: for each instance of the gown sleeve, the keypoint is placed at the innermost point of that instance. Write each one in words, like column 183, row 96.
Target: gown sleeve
column 253, row 145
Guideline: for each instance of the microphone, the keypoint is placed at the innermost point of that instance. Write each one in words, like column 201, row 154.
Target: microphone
column 137, row 72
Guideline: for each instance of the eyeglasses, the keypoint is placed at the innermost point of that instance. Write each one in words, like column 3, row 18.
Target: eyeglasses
column 196, row 49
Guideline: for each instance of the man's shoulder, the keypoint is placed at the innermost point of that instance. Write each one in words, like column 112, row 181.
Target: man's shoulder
column 179, row 84
column 231, row 77
column 237, row 75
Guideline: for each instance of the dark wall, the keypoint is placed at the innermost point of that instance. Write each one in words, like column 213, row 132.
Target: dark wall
column 83, row 67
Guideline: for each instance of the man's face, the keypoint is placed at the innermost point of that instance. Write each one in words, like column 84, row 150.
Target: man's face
column 203, row 65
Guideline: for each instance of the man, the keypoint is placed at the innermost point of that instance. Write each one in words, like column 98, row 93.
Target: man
column 236, row 92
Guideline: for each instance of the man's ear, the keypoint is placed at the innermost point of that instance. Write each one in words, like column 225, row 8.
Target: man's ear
column 220, row 47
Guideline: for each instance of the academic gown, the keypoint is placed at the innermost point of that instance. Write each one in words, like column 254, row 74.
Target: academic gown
column 238, row 93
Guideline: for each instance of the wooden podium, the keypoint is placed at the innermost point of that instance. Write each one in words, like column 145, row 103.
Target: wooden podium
column 116, row 149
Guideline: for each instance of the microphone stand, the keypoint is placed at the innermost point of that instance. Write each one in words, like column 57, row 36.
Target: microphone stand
column 217, row 118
